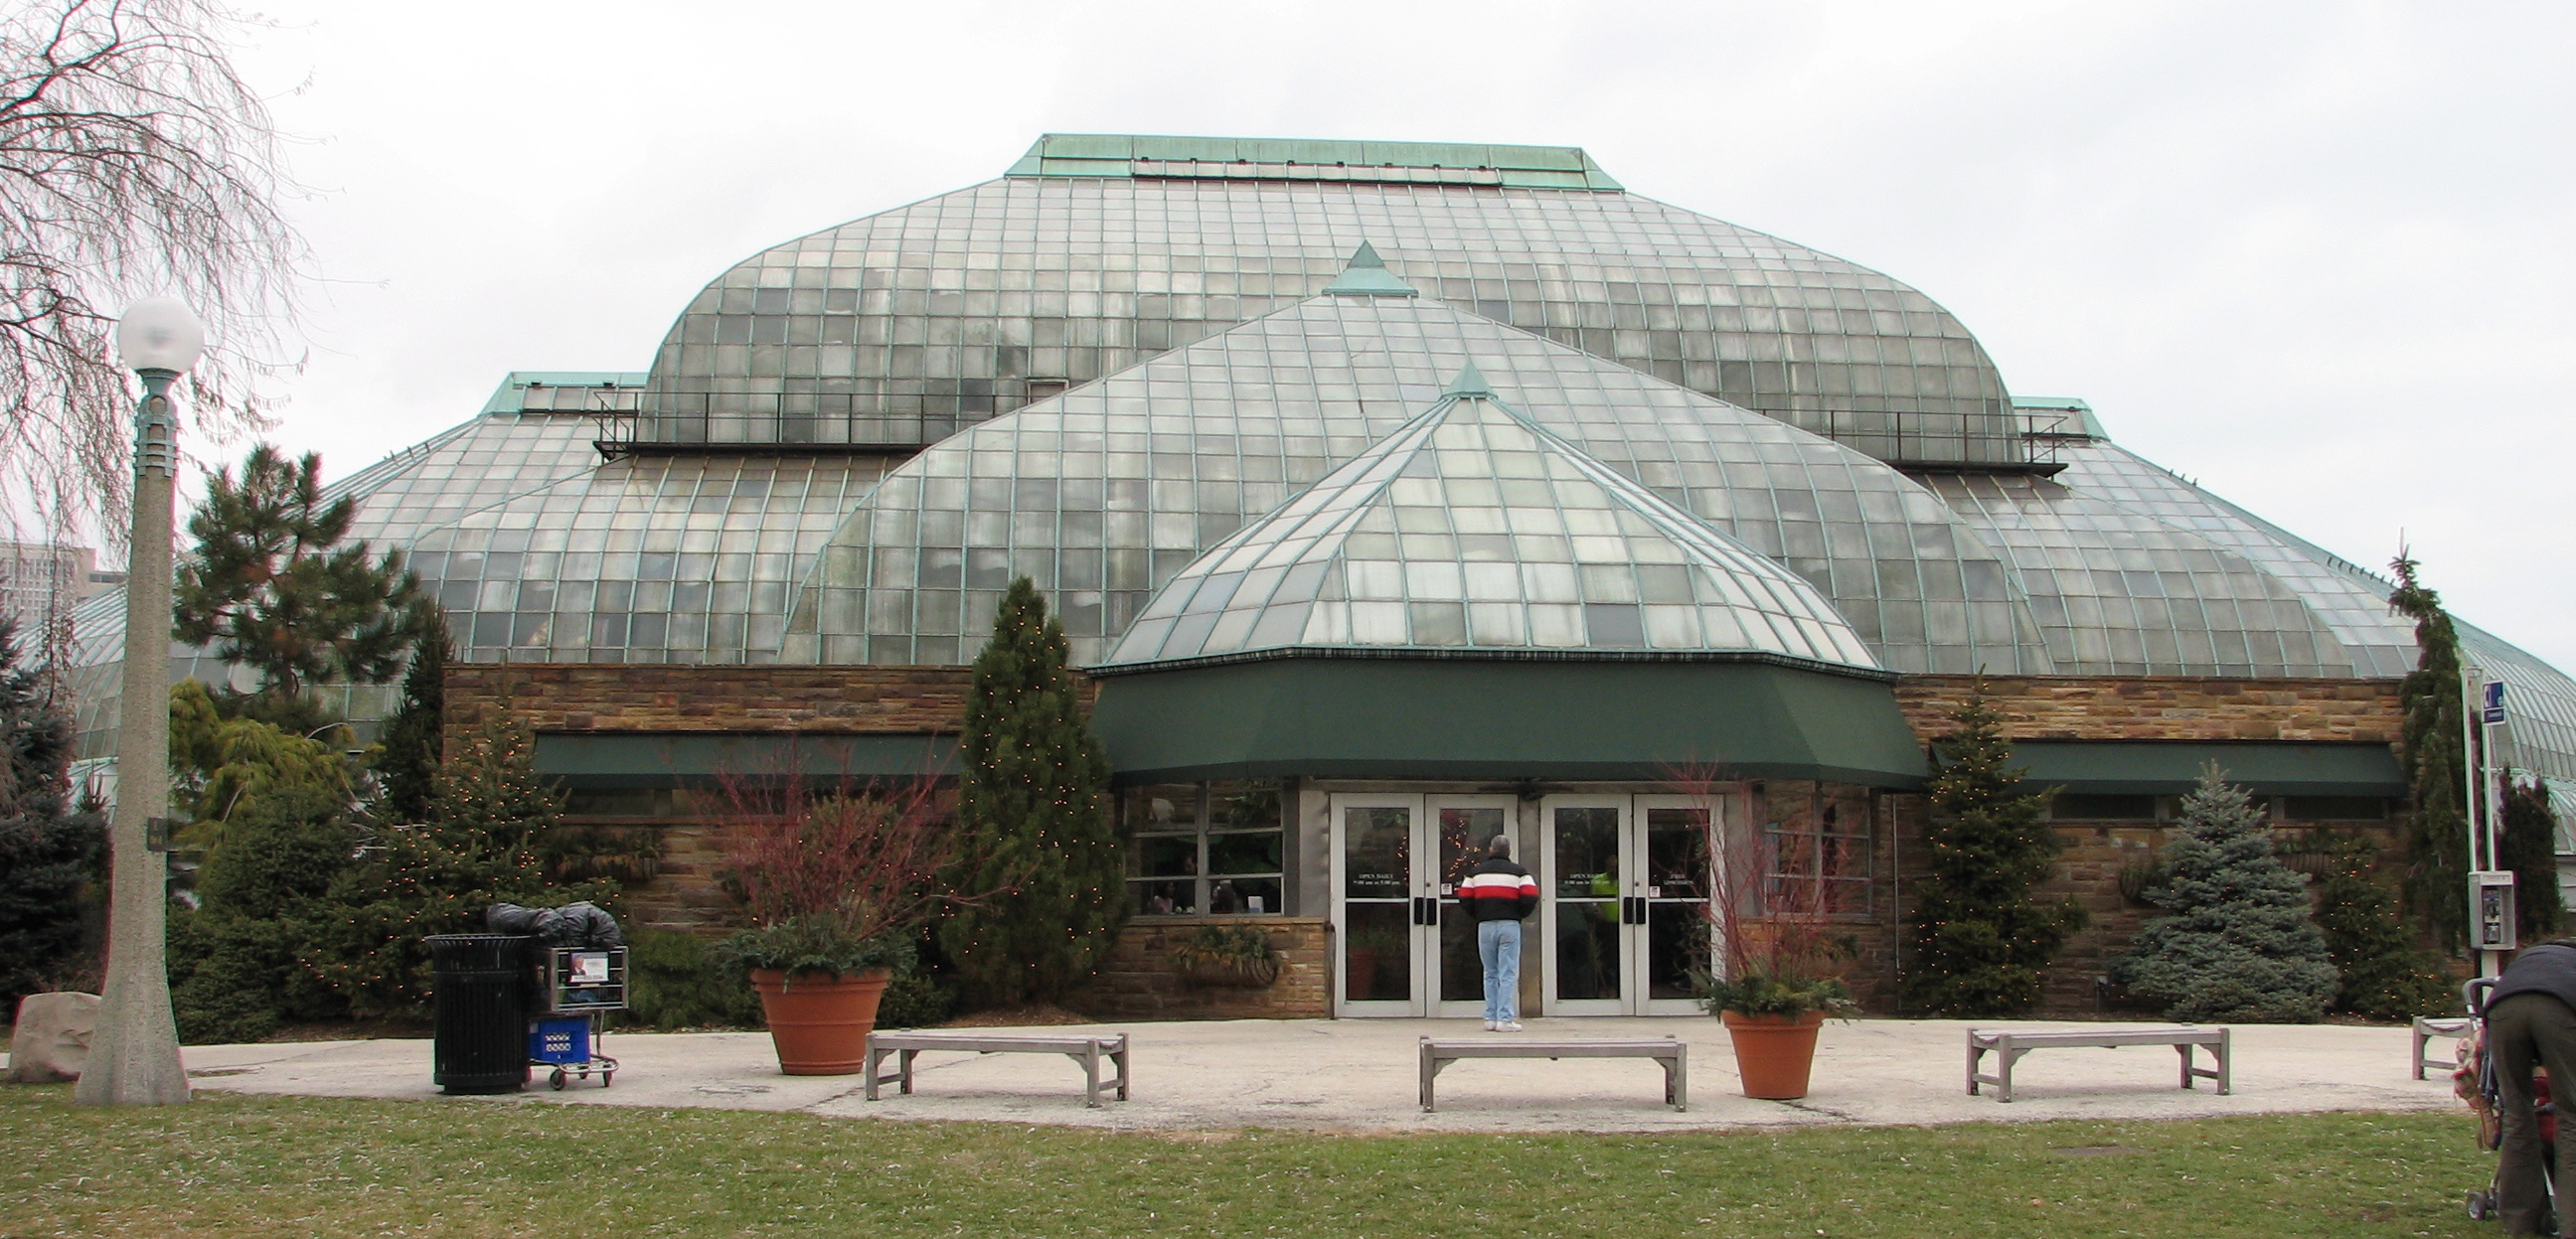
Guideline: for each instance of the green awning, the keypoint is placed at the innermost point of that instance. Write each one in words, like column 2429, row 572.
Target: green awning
column 2138, row 767
column 649, row 759
column 1502, row 719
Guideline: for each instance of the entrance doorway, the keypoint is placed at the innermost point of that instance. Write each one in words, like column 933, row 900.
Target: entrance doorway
column 1625, row 920
column 1406, row 948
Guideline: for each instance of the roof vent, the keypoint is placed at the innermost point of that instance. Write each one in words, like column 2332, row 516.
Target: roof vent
column 1367, row 276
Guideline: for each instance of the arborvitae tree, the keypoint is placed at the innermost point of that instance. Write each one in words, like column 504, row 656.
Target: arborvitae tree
column 2383, row 972
column 47, row 853
column 1977, row 942
column 477, row 849
column 217, row 763
column 2437, row 855
column 270, row 586
column 2530, row 848
column 1031, row 818
column 408, row 767
column 2236, row 942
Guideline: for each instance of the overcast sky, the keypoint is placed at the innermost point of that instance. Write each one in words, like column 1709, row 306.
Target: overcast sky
column 2316, row 256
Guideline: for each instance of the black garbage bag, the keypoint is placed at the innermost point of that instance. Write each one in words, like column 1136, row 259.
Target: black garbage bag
column 577, row 926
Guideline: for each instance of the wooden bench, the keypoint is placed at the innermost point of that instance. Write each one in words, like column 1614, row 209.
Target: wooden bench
column 2008, row 1048
column 1673, row 1055
column 1086, row 1049
column 2427, row 1029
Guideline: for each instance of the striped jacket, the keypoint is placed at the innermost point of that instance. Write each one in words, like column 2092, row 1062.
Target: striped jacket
column 1498, row 890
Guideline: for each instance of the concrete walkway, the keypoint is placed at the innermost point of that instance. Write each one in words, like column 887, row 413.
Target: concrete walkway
column 1358, row 1075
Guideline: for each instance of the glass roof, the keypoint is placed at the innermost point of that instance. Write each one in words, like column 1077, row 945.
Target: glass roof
column 2120, row 593
column 1306, row 159
column 1106, row 492
column 905, row 326
column 1474, row 528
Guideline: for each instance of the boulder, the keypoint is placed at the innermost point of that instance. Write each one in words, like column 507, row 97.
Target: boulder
column 51, row 1043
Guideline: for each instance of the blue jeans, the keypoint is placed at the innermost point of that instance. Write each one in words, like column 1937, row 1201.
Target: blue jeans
column 1499, row 944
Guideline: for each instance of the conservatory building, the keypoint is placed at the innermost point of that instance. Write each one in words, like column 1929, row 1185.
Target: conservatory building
column 1393, row 497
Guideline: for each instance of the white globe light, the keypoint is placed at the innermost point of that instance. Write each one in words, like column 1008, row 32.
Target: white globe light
column 160, row 333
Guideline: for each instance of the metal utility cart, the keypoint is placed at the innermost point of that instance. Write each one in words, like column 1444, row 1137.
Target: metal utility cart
column 577, row 988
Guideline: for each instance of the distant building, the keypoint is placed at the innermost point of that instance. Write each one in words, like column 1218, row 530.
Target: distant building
column 41, row 582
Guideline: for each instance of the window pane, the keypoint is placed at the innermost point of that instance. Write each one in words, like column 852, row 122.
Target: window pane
column 1244, row 853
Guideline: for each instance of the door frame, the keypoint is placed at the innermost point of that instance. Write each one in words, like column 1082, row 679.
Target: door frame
column 1344, row 1006
column 1447, row 905
column 1549, row 911
column 1644, row 1002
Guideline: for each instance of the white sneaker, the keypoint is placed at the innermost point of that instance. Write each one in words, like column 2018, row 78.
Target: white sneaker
column 1508, row 1026
column 1491, row 1026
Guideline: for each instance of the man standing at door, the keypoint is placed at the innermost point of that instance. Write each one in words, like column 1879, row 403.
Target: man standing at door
column 1499, row 895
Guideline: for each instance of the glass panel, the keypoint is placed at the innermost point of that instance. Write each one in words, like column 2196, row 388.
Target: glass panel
column 1167, row 856
column 1677, row 853
column 1587, row 949
column 1233, row 896
column 1464, row 835
column 1586, row 843
column 1248, row 853
column 1377, row 962
column 1462, row 966
column 1165, row 898
column 1677, row 944
column 1377, row 851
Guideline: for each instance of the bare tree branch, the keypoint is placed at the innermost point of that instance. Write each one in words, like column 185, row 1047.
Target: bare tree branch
column 134, row 161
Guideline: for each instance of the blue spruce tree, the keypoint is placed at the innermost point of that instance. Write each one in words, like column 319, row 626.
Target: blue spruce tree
column 2236, row 941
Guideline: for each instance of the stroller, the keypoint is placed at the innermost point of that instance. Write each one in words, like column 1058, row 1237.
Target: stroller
column 2477, row 1081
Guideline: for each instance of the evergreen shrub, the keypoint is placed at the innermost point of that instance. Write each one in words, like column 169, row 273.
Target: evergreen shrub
column 2382, row 972
column 2236, row 942
column 678, row 983
column 1978, row 943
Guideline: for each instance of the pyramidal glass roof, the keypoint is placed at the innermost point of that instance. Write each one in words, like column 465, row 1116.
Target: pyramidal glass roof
column 1474, row 528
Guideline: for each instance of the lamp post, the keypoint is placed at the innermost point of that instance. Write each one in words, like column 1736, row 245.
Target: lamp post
column 134, row 1055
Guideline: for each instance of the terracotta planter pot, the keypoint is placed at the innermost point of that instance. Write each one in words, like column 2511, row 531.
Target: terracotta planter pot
column 1773, row 1052
column 820, row 1023
column 1361, row 965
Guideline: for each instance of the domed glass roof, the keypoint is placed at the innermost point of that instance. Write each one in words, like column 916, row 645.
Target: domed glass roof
column 1472, row 527
column 902, row 327
column 1103, row 494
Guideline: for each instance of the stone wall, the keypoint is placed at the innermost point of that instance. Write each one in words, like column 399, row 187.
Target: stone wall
column 665, row 697
column 2191, row 708
column 1139, row 982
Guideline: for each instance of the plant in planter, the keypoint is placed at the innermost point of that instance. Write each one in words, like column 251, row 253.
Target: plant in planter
column 838, row 886
column 1781, row 946
column 1235, row 955
column 1363, row 954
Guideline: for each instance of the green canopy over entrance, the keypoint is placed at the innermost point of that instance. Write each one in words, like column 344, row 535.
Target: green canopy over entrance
column 1410, row 717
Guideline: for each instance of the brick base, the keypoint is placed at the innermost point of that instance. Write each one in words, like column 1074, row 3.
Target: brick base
column 1140, row 982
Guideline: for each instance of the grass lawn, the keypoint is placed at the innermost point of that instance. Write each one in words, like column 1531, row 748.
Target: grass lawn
column 238, row 1165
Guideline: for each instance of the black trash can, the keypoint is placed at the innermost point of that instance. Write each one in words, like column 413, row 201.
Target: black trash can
column 480, row 984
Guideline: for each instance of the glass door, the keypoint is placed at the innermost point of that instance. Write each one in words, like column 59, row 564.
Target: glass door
column 1582, row 927
column 1671, row 925
column 1377, row 904
column 1627, row 881
column 1466, row 826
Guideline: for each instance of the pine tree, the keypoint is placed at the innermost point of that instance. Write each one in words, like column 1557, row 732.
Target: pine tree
column 2381, row 971
column 477, row 849
column 47, row 853
column 1031, row 816
column 2236, row 941
column 2437, row 849
column 408, row 767
column 2529, row 847
column 1977, row 942
column 236, row 960
column 268, row 584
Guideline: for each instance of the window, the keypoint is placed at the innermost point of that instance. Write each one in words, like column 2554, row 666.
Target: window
column 1211, row 849
column 2081, row 807
column 1821, row 865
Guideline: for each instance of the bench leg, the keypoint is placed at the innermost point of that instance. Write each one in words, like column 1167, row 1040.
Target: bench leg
column 1976, row 1057
column 2420, row 1038
column 2185, row 1050
column 1424, row 1088
column 903, row 1067
column 1091, row 1075
column 2225, row 1039
column 874, row 1056
column 1119, row 1056
column 1677, row 1079
column 2005, row 1056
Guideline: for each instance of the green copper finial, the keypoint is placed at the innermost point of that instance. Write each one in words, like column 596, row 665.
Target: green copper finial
column 1367, row 276
column 1470, row 384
